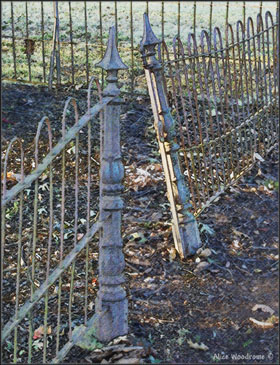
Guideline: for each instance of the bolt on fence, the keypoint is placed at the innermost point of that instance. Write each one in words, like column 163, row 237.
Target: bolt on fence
column 49, row 263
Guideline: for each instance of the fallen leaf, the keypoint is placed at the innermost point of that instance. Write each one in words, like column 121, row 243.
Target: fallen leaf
column 39, row 332
column 273, row 319
column 197, row 346
column 172, row 253
column 263, row 307
column 11, row 176
column 262, row 324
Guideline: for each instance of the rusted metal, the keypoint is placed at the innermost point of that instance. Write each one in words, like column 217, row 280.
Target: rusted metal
column 223, row 99
column 55, row 262
column 71, row 43
column 43, row 41
column 86, row 40
column 111, row 308
column 55, row 152
column 101, row 37
column 132, row 47
column 185, row 230
column 13, row 40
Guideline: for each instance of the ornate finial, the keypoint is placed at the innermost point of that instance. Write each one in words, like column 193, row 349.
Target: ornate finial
column 111, row 59
column 149, row 37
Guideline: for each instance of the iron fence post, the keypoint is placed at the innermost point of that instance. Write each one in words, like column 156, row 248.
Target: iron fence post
column 111, row 304
column 185, row 229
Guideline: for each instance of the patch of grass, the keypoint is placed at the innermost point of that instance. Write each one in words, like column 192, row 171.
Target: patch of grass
column 95, row 47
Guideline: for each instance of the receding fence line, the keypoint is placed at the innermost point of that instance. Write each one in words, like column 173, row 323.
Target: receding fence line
column 225, row 99
column 78, row 71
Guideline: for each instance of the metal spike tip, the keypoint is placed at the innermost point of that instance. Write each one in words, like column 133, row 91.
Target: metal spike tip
column 149, row 37
column 111, row 59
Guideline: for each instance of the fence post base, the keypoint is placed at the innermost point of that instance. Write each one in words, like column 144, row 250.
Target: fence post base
column 110, row 320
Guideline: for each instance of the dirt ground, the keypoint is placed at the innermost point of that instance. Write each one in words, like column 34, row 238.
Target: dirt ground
column 182, row 311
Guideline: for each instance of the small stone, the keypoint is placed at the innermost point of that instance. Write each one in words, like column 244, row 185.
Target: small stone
column 202, row 266
column 206, row 253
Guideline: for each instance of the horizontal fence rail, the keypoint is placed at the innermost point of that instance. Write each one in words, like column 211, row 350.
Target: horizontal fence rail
column 49, row 217
column 45, row 44
column 224, row 96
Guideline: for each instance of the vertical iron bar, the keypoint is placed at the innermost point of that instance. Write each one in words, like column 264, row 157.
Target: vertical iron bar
column 194, row 17
column 19, row 254
column 34, row 237
column 244, row 12
column 13, row 40
column 227, row 12
column 251, row 76
column 162, row 20
column 62, row 218
column 58, row 44
column 101, row 37
column 261, row 7
column 27, row 40
column 86, row 32
column 43, row 40
column 76, row 214
column 88, row 201
column 183, row 102
column 193, row 73
column 49, row 247
column 53, row 50
column 179, row 19
column 237, row 113
column 182, row 138
column 116, row 21
column 132, row 47
column 204, row 34
column 217, row 124
column 264, row 77
column 162, row 27
column 210, row 19
column 71, row 43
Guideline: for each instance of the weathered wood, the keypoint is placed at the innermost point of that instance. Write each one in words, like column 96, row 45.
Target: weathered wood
column 185, row 229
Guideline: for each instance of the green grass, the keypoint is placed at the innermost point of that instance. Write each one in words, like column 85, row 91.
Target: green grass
column 108, row 19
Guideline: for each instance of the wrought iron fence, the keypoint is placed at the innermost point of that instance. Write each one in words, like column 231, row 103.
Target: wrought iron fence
column 50, row 219
column 42, row 43
column 224, row 98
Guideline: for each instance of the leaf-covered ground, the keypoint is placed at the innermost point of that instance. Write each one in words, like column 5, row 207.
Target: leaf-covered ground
column 220, row 306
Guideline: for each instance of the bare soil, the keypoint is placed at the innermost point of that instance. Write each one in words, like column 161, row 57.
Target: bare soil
column 172, row 301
